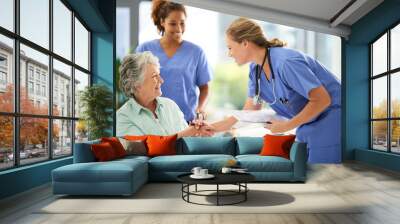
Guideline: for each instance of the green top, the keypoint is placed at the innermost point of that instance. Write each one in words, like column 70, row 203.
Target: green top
column 134, row 119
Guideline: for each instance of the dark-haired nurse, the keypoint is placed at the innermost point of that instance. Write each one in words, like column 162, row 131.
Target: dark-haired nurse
column 184, row 66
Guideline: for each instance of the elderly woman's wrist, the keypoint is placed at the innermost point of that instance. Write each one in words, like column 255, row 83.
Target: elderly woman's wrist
column 189, row 131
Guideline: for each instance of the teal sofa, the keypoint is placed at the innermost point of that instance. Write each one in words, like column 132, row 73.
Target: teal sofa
column 125, row 176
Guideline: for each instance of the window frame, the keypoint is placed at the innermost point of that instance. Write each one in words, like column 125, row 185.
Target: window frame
column 388, row 74
column 16, row 114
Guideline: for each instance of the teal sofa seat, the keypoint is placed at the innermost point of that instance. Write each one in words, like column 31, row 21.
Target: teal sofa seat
column 271, row 168
column 167, row 168
column 118, row 177
column 257, row 163
column 125, row 176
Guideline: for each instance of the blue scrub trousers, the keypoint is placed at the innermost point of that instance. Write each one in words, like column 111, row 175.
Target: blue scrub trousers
column 323, row 137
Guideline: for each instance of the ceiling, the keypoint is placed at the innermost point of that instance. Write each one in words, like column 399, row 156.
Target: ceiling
column 325, row 16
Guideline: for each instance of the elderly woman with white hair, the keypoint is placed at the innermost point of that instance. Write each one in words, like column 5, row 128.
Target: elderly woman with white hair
column 146, row 112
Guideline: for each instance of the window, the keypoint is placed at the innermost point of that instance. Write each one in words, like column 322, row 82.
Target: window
column 34, row 21
column 3, row 78
column 81, row 45
column 62, row 75
column 30, row 72
column 38, row 89
column 3, row 61
column 54, row 126
column 43, row 77
column 43, row 90
column 63, row 140
column 55, row 101
column 81, row 81
column 62, row 29
column 37, row 74
column 7, row 14
column 30, row 87
column 3, row 72
column 7, row 87
column 385, row 97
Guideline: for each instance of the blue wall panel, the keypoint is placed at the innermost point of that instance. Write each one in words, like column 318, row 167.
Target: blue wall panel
column 24, row 178
column 357, row 98
column 356, row 77
column 103, row 62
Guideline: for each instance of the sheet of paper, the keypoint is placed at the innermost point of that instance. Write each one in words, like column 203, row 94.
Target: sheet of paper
column 256, row 116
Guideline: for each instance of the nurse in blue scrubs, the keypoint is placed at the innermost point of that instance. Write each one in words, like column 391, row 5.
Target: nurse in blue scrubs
column 184, row 66
column 294, row 85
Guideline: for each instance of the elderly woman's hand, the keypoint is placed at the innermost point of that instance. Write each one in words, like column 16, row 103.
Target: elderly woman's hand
column 206, row 130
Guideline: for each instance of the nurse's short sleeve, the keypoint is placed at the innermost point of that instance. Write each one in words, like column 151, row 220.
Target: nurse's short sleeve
column 203, row 70
column 251, row 90
column 140, row 48
column 300, row 77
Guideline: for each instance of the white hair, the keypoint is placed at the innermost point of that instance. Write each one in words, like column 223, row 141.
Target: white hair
column 132, row 71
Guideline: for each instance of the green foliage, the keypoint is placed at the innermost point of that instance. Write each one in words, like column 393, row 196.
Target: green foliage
column 96, row 102
column 230, row 82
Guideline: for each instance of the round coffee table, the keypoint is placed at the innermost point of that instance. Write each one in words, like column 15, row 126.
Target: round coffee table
column 238, row 179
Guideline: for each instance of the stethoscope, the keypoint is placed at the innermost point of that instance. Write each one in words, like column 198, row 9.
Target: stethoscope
column 257, row 99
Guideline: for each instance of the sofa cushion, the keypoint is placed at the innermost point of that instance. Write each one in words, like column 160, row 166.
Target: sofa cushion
column 248, row 145
column 161, row 145
column 257, row 163
column 103, row 152
column 277, row 145
column 185, row 163
column 206, row 145
column 134, row 147
column 112, row 171
column 116, row 145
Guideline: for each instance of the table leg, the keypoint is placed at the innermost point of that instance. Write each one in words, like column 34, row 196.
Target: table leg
column 182, row 188
column 245, row 193
column 217, row 194
column 188, row 189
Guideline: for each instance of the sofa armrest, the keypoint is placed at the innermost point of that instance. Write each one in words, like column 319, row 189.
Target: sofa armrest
column 83, row 152
column 298, row 155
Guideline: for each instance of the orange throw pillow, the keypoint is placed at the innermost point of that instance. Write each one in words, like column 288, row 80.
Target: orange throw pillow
column 161, row 145
column 116, row 145
column 277, row 145
column 103, row 151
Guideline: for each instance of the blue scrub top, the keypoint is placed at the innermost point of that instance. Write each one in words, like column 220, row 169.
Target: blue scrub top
column 296, row 74
column 183, row 73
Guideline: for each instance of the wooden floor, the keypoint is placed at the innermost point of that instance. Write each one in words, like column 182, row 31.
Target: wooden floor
column 377, row 188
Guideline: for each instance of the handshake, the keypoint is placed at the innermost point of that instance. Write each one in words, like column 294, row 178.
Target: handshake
column 199, row 127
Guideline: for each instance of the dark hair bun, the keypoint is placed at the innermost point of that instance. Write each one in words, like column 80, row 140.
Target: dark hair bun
column 161, row 9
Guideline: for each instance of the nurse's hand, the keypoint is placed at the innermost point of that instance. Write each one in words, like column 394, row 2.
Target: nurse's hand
column 206, row 130
column 277, row 126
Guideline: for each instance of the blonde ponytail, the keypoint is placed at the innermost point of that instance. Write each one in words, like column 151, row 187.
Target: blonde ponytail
column 245, row 29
